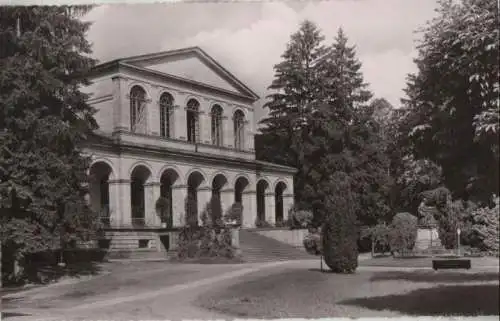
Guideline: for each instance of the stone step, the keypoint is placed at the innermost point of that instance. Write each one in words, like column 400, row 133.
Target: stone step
column 259, row 248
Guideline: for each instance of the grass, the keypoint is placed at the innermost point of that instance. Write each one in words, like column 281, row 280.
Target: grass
column 208, row 260
column 420, row 261
column 312, row 294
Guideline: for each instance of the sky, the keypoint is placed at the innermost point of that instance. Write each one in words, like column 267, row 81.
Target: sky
column 248, row 38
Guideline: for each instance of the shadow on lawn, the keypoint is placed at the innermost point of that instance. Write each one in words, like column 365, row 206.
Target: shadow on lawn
column 455, row 277
column 462, row 300
column 5, row 315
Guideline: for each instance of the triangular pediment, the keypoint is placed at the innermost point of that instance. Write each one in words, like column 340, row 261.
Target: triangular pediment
column 194, row 65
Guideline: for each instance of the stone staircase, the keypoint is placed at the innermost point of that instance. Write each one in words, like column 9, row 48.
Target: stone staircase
column 135, row 255
column 259, row 248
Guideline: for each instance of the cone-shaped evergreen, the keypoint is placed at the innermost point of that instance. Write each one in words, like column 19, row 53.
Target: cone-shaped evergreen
column 340, row 232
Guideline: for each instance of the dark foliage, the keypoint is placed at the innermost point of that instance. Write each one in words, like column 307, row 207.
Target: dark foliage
column 340, row 232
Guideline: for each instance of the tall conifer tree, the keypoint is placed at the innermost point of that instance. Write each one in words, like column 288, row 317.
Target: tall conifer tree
column 44, row 122
column 295, row 89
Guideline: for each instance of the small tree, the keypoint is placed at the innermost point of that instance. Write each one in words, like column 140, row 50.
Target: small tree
column 379, row 236
column 191, row 210
column 163, row 209
column 312, row 243
column 403, row 233
column 340, row 231
column 300, row 218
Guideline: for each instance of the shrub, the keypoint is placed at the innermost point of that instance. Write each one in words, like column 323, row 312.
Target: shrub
column 163, row 209
column 212, row 239
column 262, row 223
column 284, row 223
column 191, row 211
column 449, row 215
column 300, row 218
column 312, row 243
column 485, row 227
column 339, row 232
column 234, row 214
column 403, row 233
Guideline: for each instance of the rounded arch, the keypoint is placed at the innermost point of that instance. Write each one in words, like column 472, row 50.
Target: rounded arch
column 216, row 115
column 170, row 168
column 141, row 85
column 216, row 108
column 281, row 183
column 239, row 112
column 241, row 185
column 100, row 173
column 219, row 181
column 279, row 189
column 166, row 93
column 262, row 188
column 239, row 124
column 264, row 182
column 191, row 99
column 238, row 176
column 143, row 167
column 197, row 172
column 240, row 109
column 103, row 161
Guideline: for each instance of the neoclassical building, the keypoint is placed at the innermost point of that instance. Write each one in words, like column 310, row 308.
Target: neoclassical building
column 174, row 124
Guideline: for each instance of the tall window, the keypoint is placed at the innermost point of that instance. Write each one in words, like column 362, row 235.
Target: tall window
column 193, row 124
column 166, row 108
column 137, row 110
column 239, row 129
column 217, row 125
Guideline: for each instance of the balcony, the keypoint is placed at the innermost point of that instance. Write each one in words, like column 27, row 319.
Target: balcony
column 181, row 145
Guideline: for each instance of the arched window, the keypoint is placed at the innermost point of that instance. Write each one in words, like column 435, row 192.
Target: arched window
column 137, row 110
column 166, row 108
column 193, row 125
column 217, row 125
column 239, row 129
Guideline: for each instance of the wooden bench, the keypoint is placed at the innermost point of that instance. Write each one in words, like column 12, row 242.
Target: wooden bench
column 451, row 264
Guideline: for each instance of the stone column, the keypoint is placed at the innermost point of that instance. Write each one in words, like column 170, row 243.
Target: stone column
column 249, row 200
column 119, row 119
column 205, row 128
column 180, row 119
column 202, row 126
column 226, row 199
column 152, row 193
column 119, row 202
column 204, row 194
column 153, row 109
column 270, row 204
column 179, row 194
column 227, row 132
column 288, row 203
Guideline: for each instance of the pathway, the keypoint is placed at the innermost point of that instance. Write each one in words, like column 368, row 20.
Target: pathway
column 169, row 298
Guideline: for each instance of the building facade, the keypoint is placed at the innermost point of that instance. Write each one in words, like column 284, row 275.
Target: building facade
column 176, row 124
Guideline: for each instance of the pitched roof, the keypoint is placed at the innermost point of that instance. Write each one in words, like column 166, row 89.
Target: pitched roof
column 197, row 51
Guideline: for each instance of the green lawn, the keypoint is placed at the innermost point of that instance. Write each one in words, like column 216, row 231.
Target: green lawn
column 418, row 262
column 303, row 293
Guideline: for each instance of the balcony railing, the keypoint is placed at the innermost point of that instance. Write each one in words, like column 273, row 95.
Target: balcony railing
column 138, row 222
column 105, row 216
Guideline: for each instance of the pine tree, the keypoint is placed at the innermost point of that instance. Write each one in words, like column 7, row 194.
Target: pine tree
column 346, row 137
column 295, row 89
column 344, row 88
column 44, row 123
